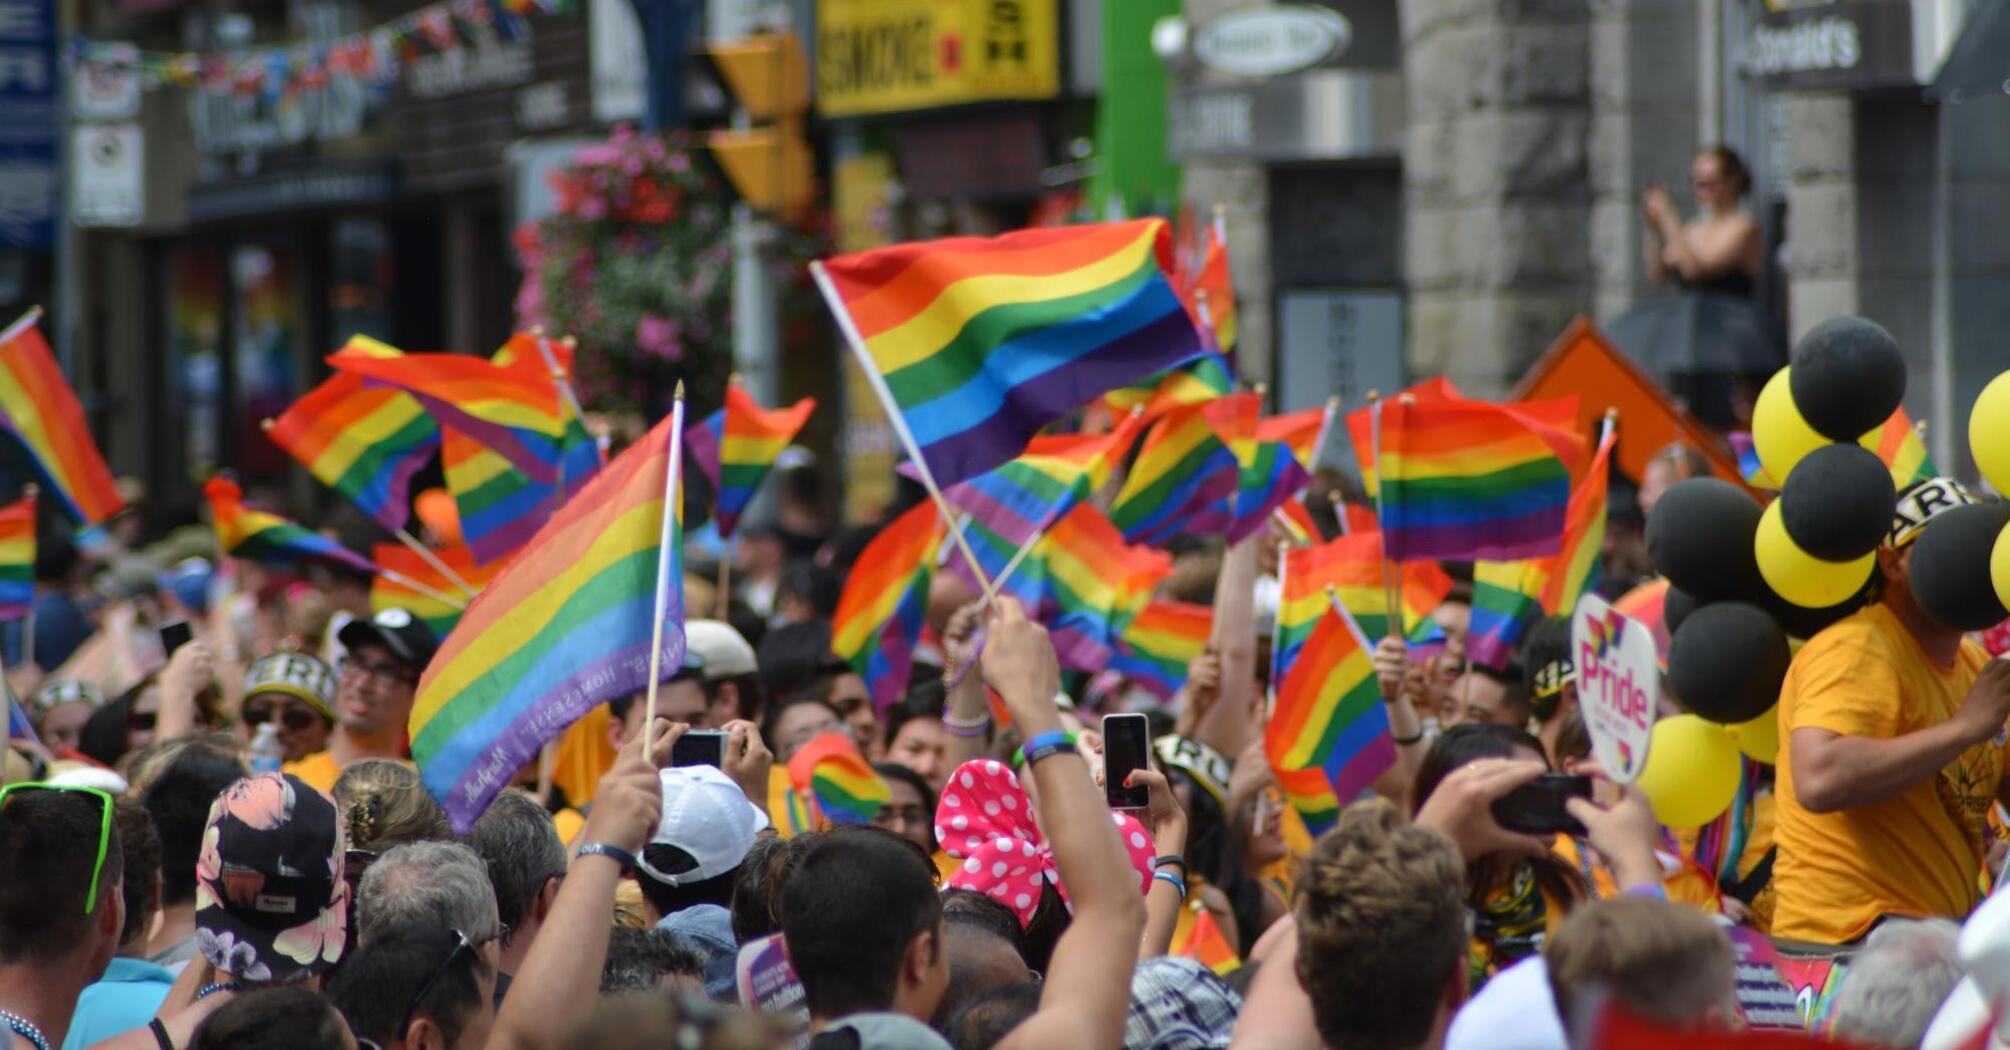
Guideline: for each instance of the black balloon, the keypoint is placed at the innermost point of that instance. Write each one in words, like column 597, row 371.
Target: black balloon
column 1700, row 535
column 1848, row 377
column 1676, row 605
column 1727, row 661
column 1806, row 623
column 1950, row 567
column 1837, row 503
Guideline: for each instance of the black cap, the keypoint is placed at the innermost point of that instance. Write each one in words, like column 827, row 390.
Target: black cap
column 406, row 636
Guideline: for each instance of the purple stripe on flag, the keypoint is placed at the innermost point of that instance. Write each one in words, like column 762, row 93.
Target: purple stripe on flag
column 1533, row 535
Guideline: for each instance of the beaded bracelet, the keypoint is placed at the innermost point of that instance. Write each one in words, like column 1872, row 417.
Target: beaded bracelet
column 972, row 727
column 1043, row 746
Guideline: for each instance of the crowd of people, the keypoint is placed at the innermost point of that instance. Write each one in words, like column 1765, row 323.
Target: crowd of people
column 225, row 846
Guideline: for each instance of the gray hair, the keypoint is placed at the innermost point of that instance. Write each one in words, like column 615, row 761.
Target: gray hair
column 1898, row 982
column 427, row 885
column 520, row 845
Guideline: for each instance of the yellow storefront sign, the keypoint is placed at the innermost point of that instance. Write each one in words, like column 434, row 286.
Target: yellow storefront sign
column 885, row 56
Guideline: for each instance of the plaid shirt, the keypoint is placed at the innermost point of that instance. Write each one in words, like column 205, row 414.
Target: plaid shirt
column 1179, row 1004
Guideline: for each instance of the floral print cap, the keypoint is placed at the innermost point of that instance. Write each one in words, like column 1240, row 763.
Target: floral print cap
column 270, row 902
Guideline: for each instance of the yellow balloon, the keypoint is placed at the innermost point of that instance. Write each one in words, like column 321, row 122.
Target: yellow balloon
column 1999, row 564
column 1989, row 432
column 1800, row 577
column 1692, row 771
column 1760, row 737
column 1780, row 434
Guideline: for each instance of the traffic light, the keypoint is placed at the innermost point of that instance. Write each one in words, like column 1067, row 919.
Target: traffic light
column 770, row 165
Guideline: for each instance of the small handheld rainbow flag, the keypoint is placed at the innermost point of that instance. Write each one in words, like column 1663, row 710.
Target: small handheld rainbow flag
column 736, row 445
column 1214, row 292
column 1510, row 596
column 976, row 343
column 879, row 615
column 403, row 567
column 1207, row 945
column 1186, row 474
column 1273, row 481
column 362, row 441
column 566, row 625
column 1350, row 568
column 1096, row 584
column 1329, row 720
column 1903, row 450
column 830, row 771
column 260, row 536
column 500, row 507
column 1158, row 644
column 40, row 410
column 17, row 558
column 1465, row 480
column 1361, row 424
column 1194, row 382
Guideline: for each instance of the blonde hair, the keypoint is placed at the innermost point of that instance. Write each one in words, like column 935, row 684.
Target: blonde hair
column 1664, row 963
column 384, row 804
column 145, row 765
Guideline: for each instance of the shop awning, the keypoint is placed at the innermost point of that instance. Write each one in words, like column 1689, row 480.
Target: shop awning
column 1980, row 61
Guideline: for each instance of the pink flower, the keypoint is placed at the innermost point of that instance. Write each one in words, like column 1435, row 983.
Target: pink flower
column 659, row 336
column 591, row 208
column 261, row 802
column 678, row 163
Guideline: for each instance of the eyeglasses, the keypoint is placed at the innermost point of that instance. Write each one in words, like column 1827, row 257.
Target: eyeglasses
column 462, row 946
column 104, row 827
column 394, row 673
column 294, row 718
column 908, row 815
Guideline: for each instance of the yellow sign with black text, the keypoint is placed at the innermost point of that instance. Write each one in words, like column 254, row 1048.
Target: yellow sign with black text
column 886, row 56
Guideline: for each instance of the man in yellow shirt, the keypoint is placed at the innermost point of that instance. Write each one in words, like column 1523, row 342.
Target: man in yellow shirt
column 373, row 694
column 1891, row 752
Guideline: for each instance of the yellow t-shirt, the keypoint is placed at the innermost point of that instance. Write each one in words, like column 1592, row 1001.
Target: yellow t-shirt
column 318, row 769
column 1917, row 854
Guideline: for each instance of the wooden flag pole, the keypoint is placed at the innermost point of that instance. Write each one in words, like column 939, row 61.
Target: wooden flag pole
column 1391, row 592
column 1339, row 510
column 426, row 554
column 403, row 580
column 663, row 559
column 566, row 394
column 896, row 417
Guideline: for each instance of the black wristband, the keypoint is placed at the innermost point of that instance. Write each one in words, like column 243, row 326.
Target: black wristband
column 1404, row 741
column 1167, row 860
column 601, row 849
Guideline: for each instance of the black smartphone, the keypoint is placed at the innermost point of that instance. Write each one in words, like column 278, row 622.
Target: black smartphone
column 700, row 747
column 174, row 635
column 1126, row 746
column 1536, row 808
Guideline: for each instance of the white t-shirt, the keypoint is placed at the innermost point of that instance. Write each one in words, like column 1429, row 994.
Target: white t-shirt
column 1515, row 1011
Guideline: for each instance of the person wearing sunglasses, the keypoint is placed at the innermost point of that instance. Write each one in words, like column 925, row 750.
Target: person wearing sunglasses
column 417, row 987
column 62, row 906
column 375, row 684
column 293, row 691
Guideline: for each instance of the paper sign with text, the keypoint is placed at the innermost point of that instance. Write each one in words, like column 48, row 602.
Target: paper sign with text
column 1618, row 679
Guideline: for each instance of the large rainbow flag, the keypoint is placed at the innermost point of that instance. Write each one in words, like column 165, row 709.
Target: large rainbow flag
column 500, row 507
column 736, row 445
column 879, row 615
column 977, row 343
column 1466, row 480
column 566, row 625
column 17, row 558
column 365, row 442
column 39, row 409
column 1329, row 721
column 261, row 536
column 1510, row 596
column 1349, row 569
column 403, row 566
column 1159, row 642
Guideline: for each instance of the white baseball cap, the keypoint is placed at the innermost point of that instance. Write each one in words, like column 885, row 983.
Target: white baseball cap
column 725, row 651
column 705, row 815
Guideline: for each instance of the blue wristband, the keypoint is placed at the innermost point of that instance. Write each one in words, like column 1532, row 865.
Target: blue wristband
column 601, row 849
column 1046, row 744
column 1172, row 880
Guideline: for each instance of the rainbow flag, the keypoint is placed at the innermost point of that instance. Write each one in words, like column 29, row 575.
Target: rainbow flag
column 1465, row 480
column 1904, row 451
column 1361, row 424
column 564, row 626
column 736, row 445
column 1158, row 644
column 17, row 558
column 1187, row 474
column 1302, row 432
column 501, row 508
column 1208, row 946
column 365, row 442
column 977, row 343
column 39, row 409
column 1749, row 468
column 260, row 536
column 1095, row 584
column 1216, row 311
column 1193, row 382
column 1349, row 569
column 18, row 726
column 1298, row 524
column 387, row 592
column 1329, row 719
column 1510, row 596
column 830, row 771
column 1272, row 481
column 879, row 615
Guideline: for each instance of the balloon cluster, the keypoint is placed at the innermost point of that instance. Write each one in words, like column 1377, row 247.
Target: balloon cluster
column 1989, row 443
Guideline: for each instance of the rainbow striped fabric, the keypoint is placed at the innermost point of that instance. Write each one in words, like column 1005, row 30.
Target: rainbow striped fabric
column 1903, row 450
column 1361, row 424
column 1188, row 471
column 736, row 445
column 17, row 558
column 1197, row 381
column 365, row 442
column 1329, row 721
column 830, row 771
column 389, row 592
column 1158, row 644
column 1216, row 311
column 1509, row 597
column 1349, row 569
column 566, row 625
column 1096, row 585
column 1273, row 480
column 879, row 615
column 980, row 342
column 260, row 536
column 1207, row 945
column 1466, row 480
column 39, row 409
column 501, row 508
column 1298, row 524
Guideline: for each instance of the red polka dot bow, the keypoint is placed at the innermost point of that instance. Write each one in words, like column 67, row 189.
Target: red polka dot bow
column 986, row 821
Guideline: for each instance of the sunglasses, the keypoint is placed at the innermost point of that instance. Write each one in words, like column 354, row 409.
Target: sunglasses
column 294, row 718
column 462, row 946
column 104, row 827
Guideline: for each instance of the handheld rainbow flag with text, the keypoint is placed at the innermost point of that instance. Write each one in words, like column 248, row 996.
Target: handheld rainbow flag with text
column 1329, row 721
column 736, row 445
column 879, row 616
column 1466, row 480
column 977, row 343
column 566, row 625
column 17, row 558
column 267, row 538
column 40, row 410
column 362, row 441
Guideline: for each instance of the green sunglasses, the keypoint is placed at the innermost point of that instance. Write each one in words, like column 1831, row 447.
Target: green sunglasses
column 104, row 827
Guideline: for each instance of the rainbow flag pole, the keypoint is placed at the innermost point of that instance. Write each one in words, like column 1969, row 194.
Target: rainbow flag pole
column 21, row 324
column 403, row 580
column 899, row 420
column 566, row 394
column 671, row 495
